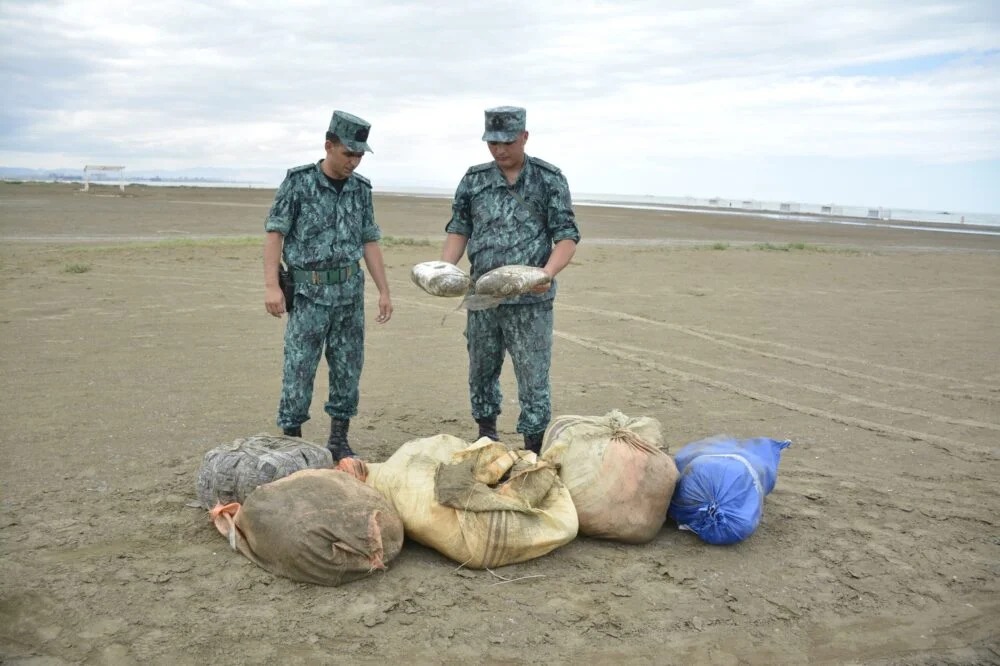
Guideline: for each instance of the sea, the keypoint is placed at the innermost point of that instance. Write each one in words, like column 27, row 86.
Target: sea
column 877, row 216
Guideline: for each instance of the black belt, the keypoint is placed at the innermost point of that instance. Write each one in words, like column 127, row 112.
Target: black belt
column 329, row 276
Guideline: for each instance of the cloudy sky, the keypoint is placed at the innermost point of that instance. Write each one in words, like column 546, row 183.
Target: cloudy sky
column 893, row 103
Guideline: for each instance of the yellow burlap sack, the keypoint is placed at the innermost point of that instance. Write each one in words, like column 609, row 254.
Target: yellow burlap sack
column 481, row 505
column 620, row 480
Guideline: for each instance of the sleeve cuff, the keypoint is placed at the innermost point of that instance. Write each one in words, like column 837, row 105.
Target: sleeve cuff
column 567, row 235
column 274, row 224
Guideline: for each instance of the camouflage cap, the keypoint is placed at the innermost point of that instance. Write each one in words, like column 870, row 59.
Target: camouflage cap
column 351, row 130
column 504, row 123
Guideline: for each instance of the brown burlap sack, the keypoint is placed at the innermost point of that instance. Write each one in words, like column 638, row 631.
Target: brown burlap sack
column 620, row 480
column 317, row 526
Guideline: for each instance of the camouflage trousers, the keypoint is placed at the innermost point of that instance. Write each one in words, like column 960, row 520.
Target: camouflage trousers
column 524, row 331
column 311, row 329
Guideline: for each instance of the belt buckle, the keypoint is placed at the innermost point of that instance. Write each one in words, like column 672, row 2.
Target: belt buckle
column 315, row 277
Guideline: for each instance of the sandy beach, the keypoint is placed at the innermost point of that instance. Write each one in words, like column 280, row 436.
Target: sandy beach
column 135, row 340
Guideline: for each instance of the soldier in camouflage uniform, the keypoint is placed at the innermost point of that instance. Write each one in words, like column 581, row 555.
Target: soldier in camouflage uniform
column 513, row 210
column 321, row 224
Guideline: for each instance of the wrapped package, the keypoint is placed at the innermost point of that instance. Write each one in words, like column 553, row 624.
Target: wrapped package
column 439, row 278
column 230, row 472
column 508, row 281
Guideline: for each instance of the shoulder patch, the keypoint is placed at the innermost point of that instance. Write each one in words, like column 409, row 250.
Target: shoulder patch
column 364, row 181
column 545, row 165
column 300, row 169
column 480, row 167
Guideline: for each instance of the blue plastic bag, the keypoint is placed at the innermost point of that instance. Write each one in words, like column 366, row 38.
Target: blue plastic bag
column 720, row 492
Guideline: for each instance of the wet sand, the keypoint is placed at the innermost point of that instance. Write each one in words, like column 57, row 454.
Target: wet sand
column 135, row 339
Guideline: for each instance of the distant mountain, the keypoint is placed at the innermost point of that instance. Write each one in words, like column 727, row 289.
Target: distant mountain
column 36, row 174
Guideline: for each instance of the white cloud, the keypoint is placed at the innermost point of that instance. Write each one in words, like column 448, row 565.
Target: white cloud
column 614, row 91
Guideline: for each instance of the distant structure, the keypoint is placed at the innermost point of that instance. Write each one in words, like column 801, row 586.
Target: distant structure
column 879, row 213
column 100, row 167
column 794, row 208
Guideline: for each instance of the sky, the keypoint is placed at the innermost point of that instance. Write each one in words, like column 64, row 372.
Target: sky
column 890, row 103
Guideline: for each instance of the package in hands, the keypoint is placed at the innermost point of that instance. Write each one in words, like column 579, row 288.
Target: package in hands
column 439, row 278
column 508, row 281
column 499, row 284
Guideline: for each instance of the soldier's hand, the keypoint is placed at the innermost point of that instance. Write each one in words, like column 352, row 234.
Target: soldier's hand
column 274, row 301
column 384, row 308
column 542, row 288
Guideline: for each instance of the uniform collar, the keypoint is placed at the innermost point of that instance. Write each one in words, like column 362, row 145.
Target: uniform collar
column 321, row 177
column 526, row 169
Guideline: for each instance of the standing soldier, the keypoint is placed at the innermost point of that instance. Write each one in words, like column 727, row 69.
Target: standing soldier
column 321, row 224
column 513, row 210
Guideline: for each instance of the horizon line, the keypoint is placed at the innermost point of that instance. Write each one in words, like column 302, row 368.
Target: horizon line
column 592, row 197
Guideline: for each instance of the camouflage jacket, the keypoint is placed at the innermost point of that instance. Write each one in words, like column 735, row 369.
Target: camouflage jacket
column 503, row 230
column 323, row 229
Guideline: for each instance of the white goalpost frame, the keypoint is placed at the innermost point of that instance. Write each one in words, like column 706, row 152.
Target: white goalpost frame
column 101, row 167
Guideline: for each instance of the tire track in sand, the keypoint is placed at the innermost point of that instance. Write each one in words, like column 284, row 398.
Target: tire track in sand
column 713, row 337
column 952, row 447
column 939, row 418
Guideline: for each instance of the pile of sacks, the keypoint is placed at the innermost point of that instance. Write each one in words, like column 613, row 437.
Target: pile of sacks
column 481, row 504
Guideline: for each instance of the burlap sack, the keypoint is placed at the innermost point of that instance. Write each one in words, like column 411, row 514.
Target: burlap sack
column 620, row 480
column 317, row 526
column 481, row 505
column 230, row 472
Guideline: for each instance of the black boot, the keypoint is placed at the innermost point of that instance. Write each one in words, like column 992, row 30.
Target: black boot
column 338, row 440
column 295, row 431
column 533, row 442
column 488, row 428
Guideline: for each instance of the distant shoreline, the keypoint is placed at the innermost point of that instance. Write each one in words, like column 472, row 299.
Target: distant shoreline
column 818, row 218
column 980, row 223
column 801, row 216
